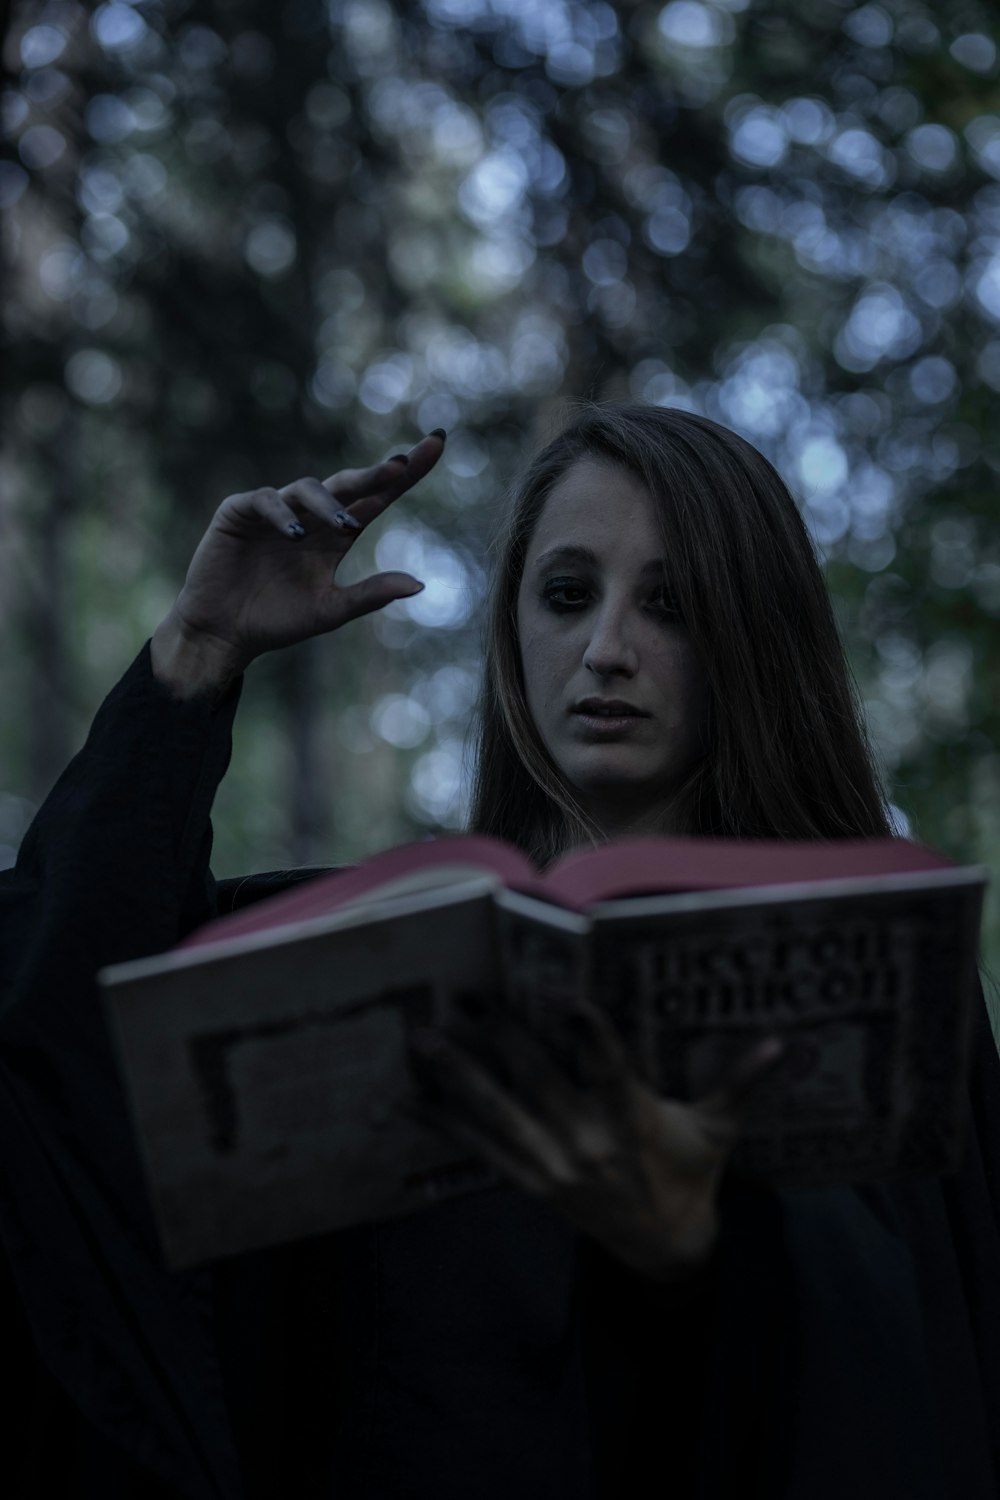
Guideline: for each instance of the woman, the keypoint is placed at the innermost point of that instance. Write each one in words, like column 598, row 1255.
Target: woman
column 626, row 1317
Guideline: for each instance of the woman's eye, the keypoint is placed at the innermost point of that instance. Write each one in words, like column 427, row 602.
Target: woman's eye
column 564, row 594
column 662, row 604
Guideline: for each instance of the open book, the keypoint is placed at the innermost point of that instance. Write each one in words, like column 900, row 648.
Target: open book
column 266, row 1057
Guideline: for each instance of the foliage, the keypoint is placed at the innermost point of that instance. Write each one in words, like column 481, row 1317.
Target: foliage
column 248, row 241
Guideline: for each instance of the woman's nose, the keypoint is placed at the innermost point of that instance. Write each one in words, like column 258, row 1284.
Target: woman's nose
column 610, row 650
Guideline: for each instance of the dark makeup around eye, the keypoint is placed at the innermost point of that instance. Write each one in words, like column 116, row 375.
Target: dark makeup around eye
column 572, row 554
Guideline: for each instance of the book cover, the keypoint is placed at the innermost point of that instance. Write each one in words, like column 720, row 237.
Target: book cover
column 266, row 1061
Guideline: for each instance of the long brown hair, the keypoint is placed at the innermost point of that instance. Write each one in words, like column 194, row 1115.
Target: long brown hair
column 788, row 754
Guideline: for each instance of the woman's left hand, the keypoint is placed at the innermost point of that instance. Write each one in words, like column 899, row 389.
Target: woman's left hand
column 637, row 1172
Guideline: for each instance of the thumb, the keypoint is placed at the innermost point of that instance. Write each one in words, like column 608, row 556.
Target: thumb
column 369, row 594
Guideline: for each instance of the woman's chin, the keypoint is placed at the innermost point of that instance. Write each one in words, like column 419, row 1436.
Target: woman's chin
column 611, row 798
column 623, row 797
column 614, row 771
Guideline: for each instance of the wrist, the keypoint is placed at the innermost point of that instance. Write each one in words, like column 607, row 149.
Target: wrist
column 687, row 1252
column 191, row 664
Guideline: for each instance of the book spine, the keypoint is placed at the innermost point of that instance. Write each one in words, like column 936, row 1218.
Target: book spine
column 545, row 972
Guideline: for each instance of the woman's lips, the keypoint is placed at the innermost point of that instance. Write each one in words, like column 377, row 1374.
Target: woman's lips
column 616, row 707
column 608, row 717
column 603, row 724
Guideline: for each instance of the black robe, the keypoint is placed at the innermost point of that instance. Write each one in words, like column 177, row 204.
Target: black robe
column 843, row 1341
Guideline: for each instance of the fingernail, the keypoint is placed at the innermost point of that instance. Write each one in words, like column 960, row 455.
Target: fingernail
column 416, row 589
column 294, row 529
column 343, row 518
column 398, row 458
column 438, row 432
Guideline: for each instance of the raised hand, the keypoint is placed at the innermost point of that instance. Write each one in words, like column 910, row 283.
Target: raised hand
column 264, row 575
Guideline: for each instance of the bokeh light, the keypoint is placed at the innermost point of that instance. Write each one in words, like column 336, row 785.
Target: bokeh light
column 249, row 243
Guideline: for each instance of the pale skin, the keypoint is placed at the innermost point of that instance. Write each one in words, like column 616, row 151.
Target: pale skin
column 636, row 1172
column 596, row 620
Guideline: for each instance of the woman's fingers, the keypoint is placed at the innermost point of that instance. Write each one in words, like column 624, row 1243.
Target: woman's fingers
column 315, row 499
column 591, row 1047
column 348, row 500
column 369, row 594
column 266, row 502
column 366, row 493
column 481, row 1110
column 462, row 1131
column 519, row 1059
column 728, row 1106
column 352, row 484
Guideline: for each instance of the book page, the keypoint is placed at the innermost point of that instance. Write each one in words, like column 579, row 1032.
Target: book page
column 437, row 878
column 640, row 866
column 476, row 853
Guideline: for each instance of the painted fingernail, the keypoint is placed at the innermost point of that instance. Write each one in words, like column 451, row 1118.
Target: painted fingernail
column 398, row 458
column 344, row 519
column 438, row 432
column 294, row 529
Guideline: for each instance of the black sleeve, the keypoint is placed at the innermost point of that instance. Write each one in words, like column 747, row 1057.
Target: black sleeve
column 884, row 1299
column 844, row 1341
column 115, row 866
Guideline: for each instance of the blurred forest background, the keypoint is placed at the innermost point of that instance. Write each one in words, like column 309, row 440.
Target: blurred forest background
column 247, row 240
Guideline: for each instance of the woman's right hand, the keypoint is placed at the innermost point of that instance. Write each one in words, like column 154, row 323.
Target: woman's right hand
column 256, row 584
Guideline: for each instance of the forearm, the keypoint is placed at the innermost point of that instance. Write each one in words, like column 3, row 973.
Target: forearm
column 114, row 864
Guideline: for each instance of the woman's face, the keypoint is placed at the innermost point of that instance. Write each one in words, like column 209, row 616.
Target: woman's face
column 610, row 677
